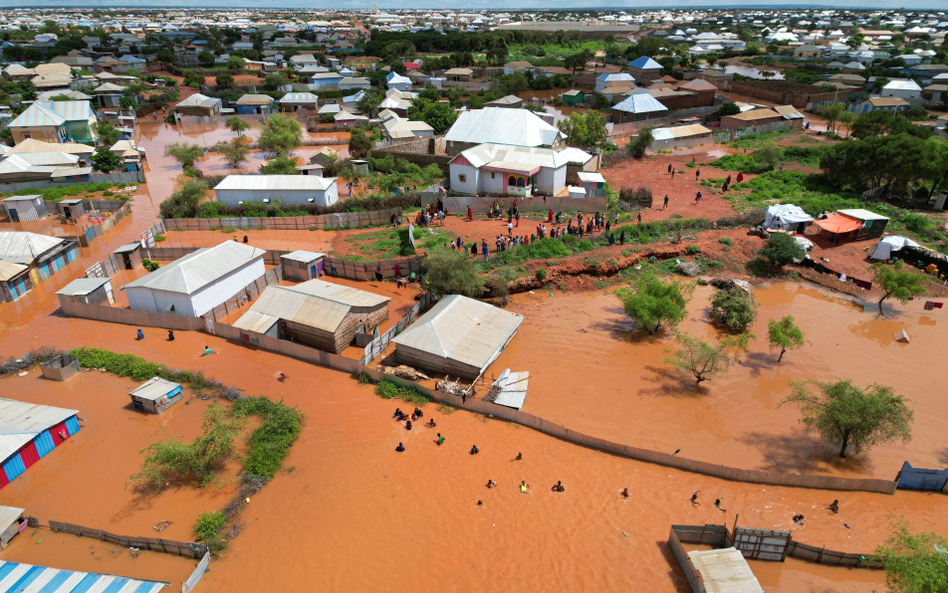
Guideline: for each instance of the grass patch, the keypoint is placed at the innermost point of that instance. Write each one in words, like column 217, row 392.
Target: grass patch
column 809, row 191
column 446, row 409
column 388, row 389
column 758, row 140
column 725, row 241
column 392, row 243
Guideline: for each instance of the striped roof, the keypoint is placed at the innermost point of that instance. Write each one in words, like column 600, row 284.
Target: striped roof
column 73, row 110
column 38, row 115
column 21, row 422
column 16, row 576
column 299, row 98
column 22, row 247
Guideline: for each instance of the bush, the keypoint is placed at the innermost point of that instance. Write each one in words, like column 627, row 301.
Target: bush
column 208, row 529
column 725, row 241
column 388, row 389
column 540, row 274
column 692, row 250
column 735, row 308
column 270, row 443
column 782, row 249
column 150, row 265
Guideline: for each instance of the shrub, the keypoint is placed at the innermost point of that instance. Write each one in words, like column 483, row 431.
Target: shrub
column 208, row 529
column 725, row 241
column 540, row 274
column 270, row 443
column 735, row 308
column 692, row 250
column 782, row 249
column 150, row 265
column 388, row 389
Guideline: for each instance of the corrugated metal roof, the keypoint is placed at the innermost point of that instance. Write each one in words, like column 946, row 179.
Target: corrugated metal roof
column 902, row 85
column 154, row 389
column 74, row 110
column 82, row 286
column 38, row 115
column 303, row 256
column 641, row 102
column 10, row 270
column 689, row 131
column 504, row 126
column 499, row 154
column 8, row 516
column 199, row 100
column 29, row 579
column 861, row 214
column 462, row 329
column 275, row 183
column 645, row 63
column 314, row 303
column 22, row 247
column 20, row 422
column 255, row 99
column 575, row 155
column 34, row 145
column 725, row 571
column 513, row 388
column 198, row 269
column 299, row 98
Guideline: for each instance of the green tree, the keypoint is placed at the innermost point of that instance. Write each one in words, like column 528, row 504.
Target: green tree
column 280, row 135
column 845, row 415
column 847, row 118
column 782, row 249
column 236, row 63
column 784, row 334
column 769, row 155
column 359, row 143
column 914, row 562
column 734, row 307
column 587, row 130
column 275, row 80
column 236, row 125
column 166, row 55
column 575, row 62
column 896, row 281
column 643, row 140
column 106, row 133
column 725, row 110
column 651, row 303
column 831, row 113
column 705, row 361
column 234, row 152
column 514, row 84
column 127, row 103
column 105, row 160
column 192, row 78
column 184, row 153
column 224, row 80
column 448, row 271
column 184, row 202
column 368, row 102
column 206, row 58
column 281, row 165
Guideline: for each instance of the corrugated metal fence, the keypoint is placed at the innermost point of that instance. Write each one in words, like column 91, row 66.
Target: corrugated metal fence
column 379, row 344
column 195, row 578
column 336, row 220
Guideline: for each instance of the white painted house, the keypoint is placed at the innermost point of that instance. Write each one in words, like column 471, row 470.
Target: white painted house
column 289, row 189
column 198, row 282
column 506, row 170
column 905, row 89
column 394, row 80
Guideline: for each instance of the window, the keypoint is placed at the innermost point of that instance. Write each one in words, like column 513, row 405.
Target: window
column 462, row 178
column 521, row 182
column 491, row 174
column 512, row 181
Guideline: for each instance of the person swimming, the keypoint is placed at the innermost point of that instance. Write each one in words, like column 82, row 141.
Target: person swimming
column 491, row 483
column 440, row 440
column 834, row 506
column 694, row 499
column 475, row 450
column 717, row 503
column 519, row 457
column 799, row 519
column 524, row 487
column 624, row 493
column 558, row 487
column 398, row 412
column 400, row 448
column 418, row 412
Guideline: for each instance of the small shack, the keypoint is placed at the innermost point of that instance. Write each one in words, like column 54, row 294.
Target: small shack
column 787, row 217
column 854, row 224
column 73, row 210
column 156, row 395
column 11, row 520
column 724, row 571
column 889, row 245
column 459, row 337
column 316, row 313
column 60, row 368
column 129, row 256
column 594, row 183
column 25, row 208
column 87, row 291
column 302, row 265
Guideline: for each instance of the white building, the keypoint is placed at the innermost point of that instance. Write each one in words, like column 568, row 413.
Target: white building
column 289, row 189
column 505, row 170
column 519, row 127
column 397, row 81
column 905, row 89
column 198, row 282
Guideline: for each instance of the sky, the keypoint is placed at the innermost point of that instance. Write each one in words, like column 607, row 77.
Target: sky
column 475, row 4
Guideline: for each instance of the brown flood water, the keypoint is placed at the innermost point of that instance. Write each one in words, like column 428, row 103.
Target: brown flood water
column 591, row 372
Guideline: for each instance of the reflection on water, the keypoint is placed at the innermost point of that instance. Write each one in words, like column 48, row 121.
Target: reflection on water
column 752, row 72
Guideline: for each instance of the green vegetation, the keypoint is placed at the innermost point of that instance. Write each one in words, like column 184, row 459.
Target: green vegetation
column 270, row 443
column 704, row 361
column 107, row 134
column 897, row 282
column 208, row 529
column 451, row 272
column 234, row 152
column 643, row 140
column 811, row 192
column 184, row 202
column 781, row 250
column 651, row 303
column 393, row 173
column 184, row 153
column 763, row 160
column 105, row 160
column 588, row 130
column 784, row 334
column 137, row 368
column 845, row 415
column 281, row 165
column 735, row 308
column 391, row 243
column 150, row 265
column 388, row 389
column 758, row 140
column 236, row 125
column 280, row 135
column 57, row 194
column 914, row 562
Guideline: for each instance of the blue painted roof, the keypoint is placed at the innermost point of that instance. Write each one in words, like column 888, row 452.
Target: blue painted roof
column 16, row 577
column 644, row 63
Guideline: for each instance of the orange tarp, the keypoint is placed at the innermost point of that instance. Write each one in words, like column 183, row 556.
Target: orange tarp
column 838, row 224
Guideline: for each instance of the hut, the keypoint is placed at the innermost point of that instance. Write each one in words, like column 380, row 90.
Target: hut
column 40, row 256
column 459, row 337
column 302, row 265
column 298, row 101
column 315, row 313
column 25, row 208
column 156, row 395
column 87, row 291
column 787, row 217
column 60, row 367
column 73, row 210
column 199, row 104
column 11, row 518
column 573, row 97
column 30, row 432
column 854, row 224
column 129, row 256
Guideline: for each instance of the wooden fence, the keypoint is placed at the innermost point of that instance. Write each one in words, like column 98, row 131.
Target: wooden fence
column 168, row 546
column 335, row 220
column 379, row 344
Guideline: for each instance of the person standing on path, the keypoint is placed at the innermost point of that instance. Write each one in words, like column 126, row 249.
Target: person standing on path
column 697, row 174
column 665, row 203
column 669, row 168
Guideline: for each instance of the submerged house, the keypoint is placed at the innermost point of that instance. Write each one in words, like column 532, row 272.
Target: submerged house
column 156, row 395
column 458, row 337
column 198, row 282
column 29, row 432
column 26, row 259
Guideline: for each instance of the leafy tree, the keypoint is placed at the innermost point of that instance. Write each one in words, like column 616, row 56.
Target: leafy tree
column 936, row 159
column 105, row 160
column 897, row 282
column 845, row 415
column 224, row 81
column 206, row 58
column 439, row 116
column 275, row 80
column 705, row 361
column 514, row 84
column 652, row 303
column 107, row 134
column 727, row 109
column 281, row 165
column 847, row 118
column 448, row 271
column 643, row 140
column 281, row 135
column 782, row 249
column 784, row 334
column 575, row 62
column 234, row 152
column 735, row 308
column 769, row 155
column 913, row 562
column 369, row 102
column 235, row 63
column 892, row 161
column 236, row 125
column 166, row 55
column 359, row 144
column 585, row 130
column 831, row 112
column 184, row 202
column 192, row 78
column 184, row 153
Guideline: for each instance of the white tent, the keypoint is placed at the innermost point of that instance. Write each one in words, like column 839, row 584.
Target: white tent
column 786, row 217
column 884, row 248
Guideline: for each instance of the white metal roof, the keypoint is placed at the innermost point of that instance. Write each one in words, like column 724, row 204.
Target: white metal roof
column 20, row 422
column 255, row 99
column 504, row 126
column 22, row 247
column 462, row 329
column 299, row 98
column 38, row 115
column 275, row 183
column 9, row 515
column 9, row 270
column 199, row 100
column 314, row 303
column 82, row 286
column 500, row 155
column 591, row 177
column 902, row 85
column 198, row 269
column 575, row 155
column 513, row 388
column 860, row 214
column 154, row 389
column 640, row 102
column 301, row 255
column 724, row 571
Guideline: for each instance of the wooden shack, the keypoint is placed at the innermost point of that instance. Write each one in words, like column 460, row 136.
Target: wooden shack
column 303, row 265
column 60, row 368
column 320, row 314
column 156, row 395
